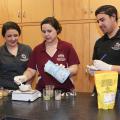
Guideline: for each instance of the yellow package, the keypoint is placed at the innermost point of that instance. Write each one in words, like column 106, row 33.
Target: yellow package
column 106, row 85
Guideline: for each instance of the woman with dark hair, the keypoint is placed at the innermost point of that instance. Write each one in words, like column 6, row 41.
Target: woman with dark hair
column 58, row 52
column 14, row 56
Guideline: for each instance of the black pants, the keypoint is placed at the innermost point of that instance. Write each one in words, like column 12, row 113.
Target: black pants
column 8, row 84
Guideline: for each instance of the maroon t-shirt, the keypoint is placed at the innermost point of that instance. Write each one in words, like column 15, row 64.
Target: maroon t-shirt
column 65, row 55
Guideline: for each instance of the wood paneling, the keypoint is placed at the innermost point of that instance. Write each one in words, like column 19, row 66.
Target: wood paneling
column 71, row 9
column 94, row 4
column 25, row 10
column 31, row 35
column 10, row 10
column 1, row 38
column 95, row 34
column 78, row 35
column 36, row 10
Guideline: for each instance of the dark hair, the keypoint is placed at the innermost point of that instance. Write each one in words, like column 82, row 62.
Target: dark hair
column 53, row 22
column 10, row 25
column 107, row 9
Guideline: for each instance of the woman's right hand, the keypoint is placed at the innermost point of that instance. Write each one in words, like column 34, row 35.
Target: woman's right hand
column 20, row 79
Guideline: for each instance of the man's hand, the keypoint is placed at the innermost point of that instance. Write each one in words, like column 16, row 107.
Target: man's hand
column 20, row 79
column 100, row 65
column 91, row 69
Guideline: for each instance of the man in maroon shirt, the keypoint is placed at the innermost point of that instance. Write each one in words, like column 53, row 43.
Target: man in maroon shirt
column 55, row 50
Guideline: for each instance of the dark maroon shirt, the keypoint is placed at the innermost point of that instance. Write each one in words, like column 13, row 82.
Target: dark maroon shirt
column 65, row 55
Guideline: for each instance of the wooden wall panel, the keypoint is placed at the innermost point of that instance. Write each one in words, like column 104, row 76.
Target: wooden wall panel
column 10, row 10
column 36, row 10
column 94, row 4
column 95, row 33
column 78, row 35
column 71, row 9
column 31, row 35
column 1, row 38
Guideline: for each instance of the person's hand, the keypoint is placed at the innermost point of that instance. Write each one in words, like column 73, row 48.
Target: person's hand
column 100, row 65
column 20, row 79
column 57, row 71
column 91, row 69
column 61, row 65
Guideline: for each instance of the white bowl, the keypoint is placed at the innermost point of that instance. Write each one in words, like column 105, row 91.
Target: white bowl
column 24, row 88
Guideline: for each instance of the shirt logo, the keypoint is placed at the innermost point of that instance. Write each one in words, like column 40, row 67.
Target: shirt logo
column 23, row 57
column 61, row 57
column 116, row 46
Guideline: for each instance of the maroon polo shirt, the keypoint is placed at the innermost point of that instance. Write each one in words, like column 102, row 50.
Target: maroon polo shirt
column 65, row 55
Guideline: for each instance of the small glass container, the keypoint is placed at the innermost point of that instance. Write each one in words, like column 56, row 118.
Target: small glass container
column 46, row 94
column 50, row 88
column 57, row 94
column 1, row 92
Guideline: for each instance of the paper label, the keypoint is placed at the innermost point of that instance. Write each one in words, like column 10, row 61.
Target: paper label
column 109, row 98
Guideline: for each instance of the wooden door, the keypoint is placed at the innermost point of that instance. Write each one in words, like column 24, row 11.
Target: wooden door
column 94, row 4
column 10, row 10
column 95, row 34
column 36, row 10
column 71, row 9
column 1, row 38
column 31, row 35
column 78, row 35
